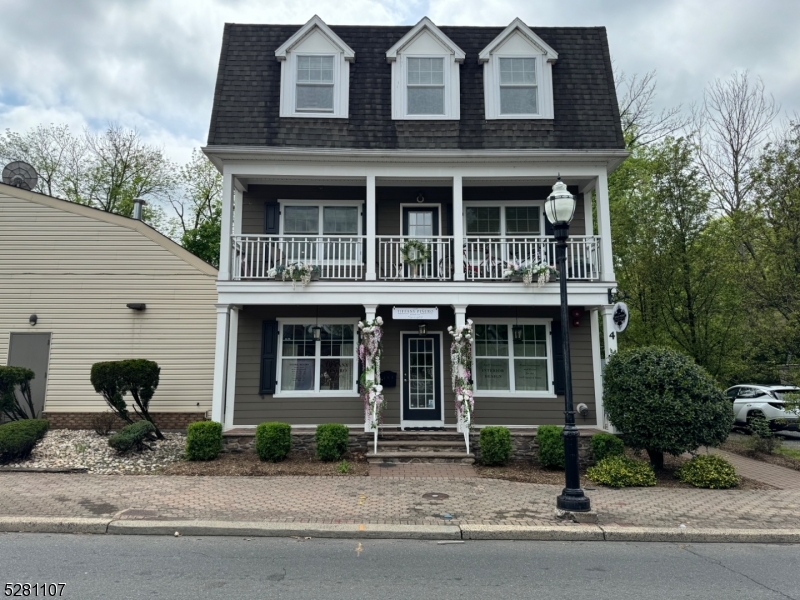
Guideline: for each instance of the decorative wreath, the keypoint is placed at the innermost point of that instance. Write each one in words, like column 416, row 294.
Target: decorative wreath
column 415, row 252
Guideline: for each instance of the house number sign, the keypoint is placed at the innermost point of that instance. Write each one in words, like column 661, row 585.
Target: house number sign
column 426, row 313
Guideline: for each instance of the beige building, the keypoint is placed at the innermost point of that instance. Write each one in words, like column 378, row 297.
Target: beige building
column 79, row 286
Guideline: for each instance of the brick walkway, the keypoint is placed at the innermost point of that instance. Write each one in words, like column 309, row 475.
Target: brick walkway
column 440, row 470
column 380, row 500
column 776, row 476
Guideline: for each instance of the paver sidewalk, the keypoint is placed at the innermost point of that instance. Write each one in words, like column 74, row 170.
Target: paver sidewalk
column 380, row 500
column 778, row 477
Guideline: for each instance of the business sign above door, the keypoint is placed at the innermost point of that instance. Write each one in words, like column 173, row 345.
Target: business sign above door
column 412, row 313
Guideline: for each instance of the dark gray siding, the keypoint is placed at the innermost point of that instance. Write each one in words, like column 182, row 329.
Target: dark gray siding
column 251, row 408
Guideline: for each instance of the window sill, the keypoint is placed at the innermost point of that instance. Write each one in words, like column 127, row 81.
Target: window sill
column 489, row 394
column 312, row 115
column 306, row 394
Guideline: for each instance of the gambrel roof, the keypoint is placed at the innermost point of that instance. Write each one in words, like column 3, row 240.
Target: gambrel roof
column 247, row 95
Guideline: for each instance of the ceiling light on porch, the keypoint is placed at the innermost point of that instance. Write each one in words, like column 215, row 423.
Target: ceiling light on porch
column 423, row 329
column 316, row 332
column 517, row 331
column 560, row 205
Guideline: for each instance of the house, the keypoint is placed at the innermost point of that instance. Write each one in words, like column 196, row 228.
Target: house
column 409, row 166
column 80, row 286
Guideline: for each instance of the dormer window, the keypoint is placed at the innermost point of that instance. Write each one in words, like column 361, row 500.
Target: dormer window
column 315, row 83
column 519, row 94
column 518, row 75
column 425, row 75
column 315, row 73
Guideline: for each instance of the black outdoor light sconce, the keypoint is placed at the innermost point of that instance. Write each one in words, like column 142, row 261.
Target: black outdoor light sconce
column 139, row 306
column 517, row 328
column 560, row 208
column 316, row 330
column 33, row 319
column 422, row 328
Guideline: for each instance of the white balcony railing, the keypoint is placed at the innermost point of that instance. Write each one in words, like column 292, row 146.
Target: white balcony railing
column 487, row 258
column 260, row 256
column 438, row 265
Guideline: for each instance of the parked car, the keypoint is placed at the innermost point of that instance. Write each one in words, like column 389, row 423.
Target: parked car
column 754, row 401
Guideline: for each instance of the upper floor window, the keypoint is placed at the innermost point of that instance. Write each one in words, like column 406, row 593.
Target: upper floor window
column 512, row 219
column 517, row 75
column 425, row 74
column 315, row 73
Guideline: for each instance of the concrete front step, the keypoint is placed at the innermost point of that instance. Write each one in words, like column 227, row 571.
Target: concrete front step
column 420, row 457
column 422, row 445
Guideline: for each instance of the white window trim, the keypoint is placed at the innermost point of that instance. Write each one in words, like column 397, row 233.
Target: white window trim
column 502, row 204
column 336, row 67
column 321, row 203
column 316, row 392
column 549, row 393
column 341, row 85
column 445, row 86
column 538, row 70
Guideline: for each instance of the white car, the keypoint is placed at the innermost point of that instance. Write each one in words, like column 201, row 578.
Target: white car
column 751, row 401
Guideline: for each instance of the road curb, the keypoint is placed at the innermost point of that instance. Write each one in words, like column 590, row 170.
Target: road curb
column 584, row 533
column 54, row 524
column 619, row 533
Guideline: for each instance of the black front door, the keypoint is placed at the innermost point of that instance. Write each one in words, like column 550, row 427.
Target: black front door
column 422, row 378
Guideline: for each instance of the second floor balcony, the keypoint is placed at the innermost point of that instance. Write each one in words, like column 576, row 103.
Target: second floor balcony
column 409, row 258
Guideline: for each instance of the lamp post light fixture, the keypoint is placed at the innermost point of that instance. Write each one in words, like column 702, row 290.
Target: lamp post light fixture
column 560, row 208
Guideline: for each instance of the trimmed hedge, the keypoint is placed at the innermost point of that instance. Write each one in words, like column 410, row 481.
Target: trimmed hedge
column 203, row 440
column 605, row 445
column 18, row 438
column 621, row 471
column 495, row 445
column 551, row 446
column 137, row 376
column 16, row 378
column 132, row 437
column 273, row 441
column 708, row 471
column 331, row 441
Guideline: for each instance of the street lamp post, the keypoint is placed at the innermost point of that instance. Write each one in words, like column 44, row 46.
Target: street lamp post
column 560, row 208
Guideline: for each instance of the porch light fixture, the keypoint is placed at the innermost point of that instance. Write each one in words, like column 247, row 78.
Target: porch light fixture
column 422, row 328
column 560, row 208
column 316, row 330
column 33, row 319
column 517, row 328
column 136, row 306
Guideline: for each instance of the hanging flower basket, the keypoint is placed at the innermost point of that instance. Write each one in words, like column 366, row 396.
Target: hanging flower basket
column 302, row 273
column 538, row 273
column 369, row 354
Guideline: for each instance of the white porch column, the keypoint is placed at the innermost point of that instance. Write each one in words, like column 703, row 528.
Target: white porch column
column 225, row 228
column 230, row 378
column 220, row 365
column 238, row 206
column 371, row 244
column 597, row 367
column 610, row 343
column 604, row 225
column 458, row 229
column 461, row 315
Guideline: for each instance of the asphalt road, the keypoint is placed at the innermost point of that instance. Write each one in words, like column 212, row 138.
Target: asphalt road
column 132, row 567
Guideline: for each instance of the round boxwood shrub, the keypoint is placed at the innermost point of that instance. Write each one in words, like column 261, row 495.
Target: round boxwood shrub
column 132, row 437
column 663, row 402
column 708, row 471
column 273, row 441
column 605, row 445
column 620, row 471
column 550, row 444
column 331, row 441
column 203, row 440
column 18, row 438
column 495, row 445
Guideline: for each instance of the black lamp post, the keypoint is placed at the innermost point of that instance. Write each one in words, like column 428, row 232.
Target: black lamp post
column 560, row 208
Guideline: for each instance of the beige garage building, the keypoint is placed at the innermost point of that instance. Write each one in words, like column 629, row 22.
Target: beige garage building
column 79, row 285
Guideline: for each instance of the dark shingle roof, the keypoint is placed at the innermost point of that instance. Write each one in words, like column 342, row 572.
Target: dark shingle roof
column 247, row 96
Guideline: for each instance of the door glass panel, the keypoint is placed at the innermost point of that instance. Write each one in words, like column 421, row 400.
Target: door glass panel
column 420, row 223
column 421, row 374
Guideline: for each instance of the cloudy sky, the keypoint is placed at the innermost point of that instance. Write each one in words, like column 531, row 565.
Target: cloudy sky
column 151, row 64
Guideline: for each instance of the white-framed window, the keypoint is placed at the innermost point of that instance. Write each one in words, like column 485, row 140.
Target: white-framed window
column 519, row 92
column 315, row 73
column 518, row 365
column 327, row 367
column 321, row 231
column 425, row 86
column 507, row 219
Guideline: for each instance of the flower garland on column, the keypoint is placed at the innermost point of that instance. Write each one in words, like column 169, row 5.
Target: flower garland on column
column 461, row 370
column 369, row 353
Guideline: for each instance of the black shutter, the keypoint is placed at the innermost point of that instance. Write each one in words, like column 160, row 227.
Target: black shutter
column 272, row 218
column 269, row 357
column 558, row 359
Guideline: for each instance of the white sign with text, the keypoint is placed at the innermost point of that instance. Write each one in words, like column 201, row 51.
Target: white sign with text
column 412, row 313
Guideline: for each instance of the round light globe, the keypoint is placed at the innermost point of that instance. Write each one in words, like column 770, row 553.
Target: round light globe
column 560, row 205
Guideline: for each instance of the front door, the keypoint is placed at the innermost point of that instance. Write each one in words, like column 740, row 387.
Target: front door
column 422, row 224
column 32, row 351
column 422, row 379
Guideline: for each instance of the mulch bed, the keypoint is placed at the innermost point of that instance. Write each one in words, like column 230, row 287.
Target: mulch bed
column 248, row 464
column 528, row 472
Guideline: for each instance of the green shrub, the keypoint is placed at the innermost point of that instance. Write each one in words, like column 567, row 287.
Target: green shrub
column 495, row 445
column 105, row 422
column 762, row 440
column 663, row 402
column 551, row 446
column 331, row 440
column 18, row 438
column 203, row 440
column 343, row 467
column 605, row 445
column 620, row 471
column 15, row 382
column 273, row 441
column 132, row 437
column 708, row 471
column 136, row 376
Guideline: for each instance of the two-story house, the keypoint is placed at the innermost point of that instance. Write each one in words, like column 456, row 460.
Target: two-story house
column 409, row 166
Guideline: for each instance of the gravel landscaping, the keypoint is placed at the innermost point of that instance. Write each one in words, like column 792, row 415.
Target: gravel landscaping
column 83, row 449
